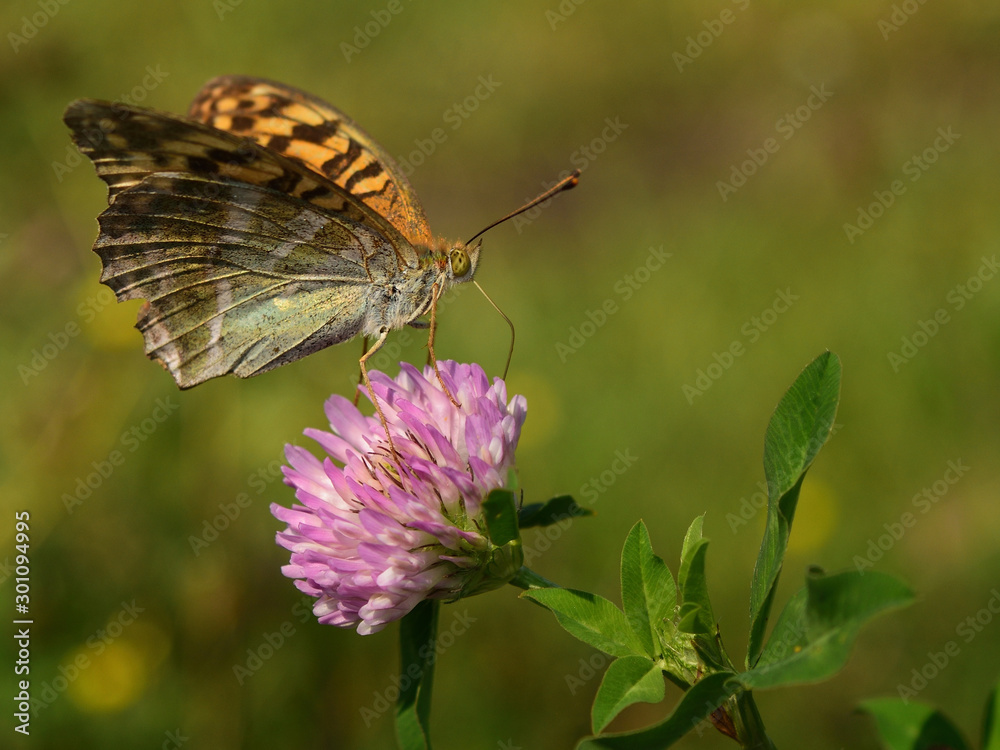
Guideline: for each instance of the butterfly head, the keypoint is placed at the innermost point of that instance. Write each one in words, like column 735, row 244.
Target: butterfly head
column 462, row 262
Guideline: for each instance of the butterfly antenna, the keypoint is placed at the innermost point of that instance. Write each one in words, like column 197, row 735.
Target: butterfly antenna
column 566, row 183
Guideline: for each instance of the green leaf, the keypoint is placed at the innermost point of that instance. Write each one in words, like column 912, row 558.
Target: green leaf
column 696, row 615
column 697, row 608
column 631, row 679
column 417, row 636
column 799, row 427
column 552, row 511
column 591, row 618
column 697, row 703
column 689, row 617
column 814, row 634
column 526, row 578
column 991, row 721
column 500, row 514
column 692, row 538
column 648, row 591
column 512, row 482
column 906, row 725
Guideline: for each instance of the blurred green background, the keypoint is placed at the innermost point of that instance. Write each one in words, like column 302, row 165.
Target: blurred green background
column 696, row 91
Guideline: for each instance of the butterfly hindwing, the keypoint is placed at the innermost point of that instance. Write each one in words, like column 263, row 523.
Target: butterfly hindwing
column 268, row 229
column 239, row 278
column 310, row 131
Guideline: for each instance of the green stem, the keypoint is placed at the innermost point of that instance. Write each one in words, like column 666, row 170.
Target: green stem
column 749, row 725
column 417, row 640
column 526, row 578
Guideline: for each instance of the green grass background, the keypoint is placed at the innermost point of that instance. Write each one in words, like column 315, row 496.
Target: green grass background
column 562, row 69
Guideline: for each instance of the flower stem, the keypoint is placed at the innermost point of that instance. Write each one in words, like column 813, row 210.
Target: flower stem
column 526, row 578
column 749, row 725
column 417, row 640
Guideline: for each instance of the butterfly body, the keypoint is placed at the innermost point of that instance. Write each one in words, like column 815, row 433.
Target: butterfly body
column 260, row 229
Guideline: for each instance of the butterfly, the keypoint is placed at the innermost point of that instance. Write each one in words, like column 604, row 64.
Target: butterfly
column 264, row 226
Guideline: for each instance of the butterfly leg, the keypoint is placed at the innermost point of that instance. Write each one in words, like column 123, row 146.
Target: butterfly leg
column 422, row 325
column 368, row 384
column 435, row 293
column 361, row 376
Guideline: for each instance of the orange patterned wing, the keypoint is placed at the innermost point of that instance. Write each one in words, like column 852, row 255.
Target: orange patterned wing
column 310, row 131
column 247, row 259
column 128, row 144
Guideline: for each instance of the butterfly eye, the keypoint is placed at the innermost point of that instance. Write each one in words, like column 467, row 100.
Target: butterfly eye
column 459, row 262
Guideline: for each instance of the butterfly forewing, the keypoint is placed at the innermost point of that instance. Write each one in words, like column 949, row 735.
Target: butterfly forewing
column 270, row 229
column 239, row 278
column 310, row 131
column 127, row 144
